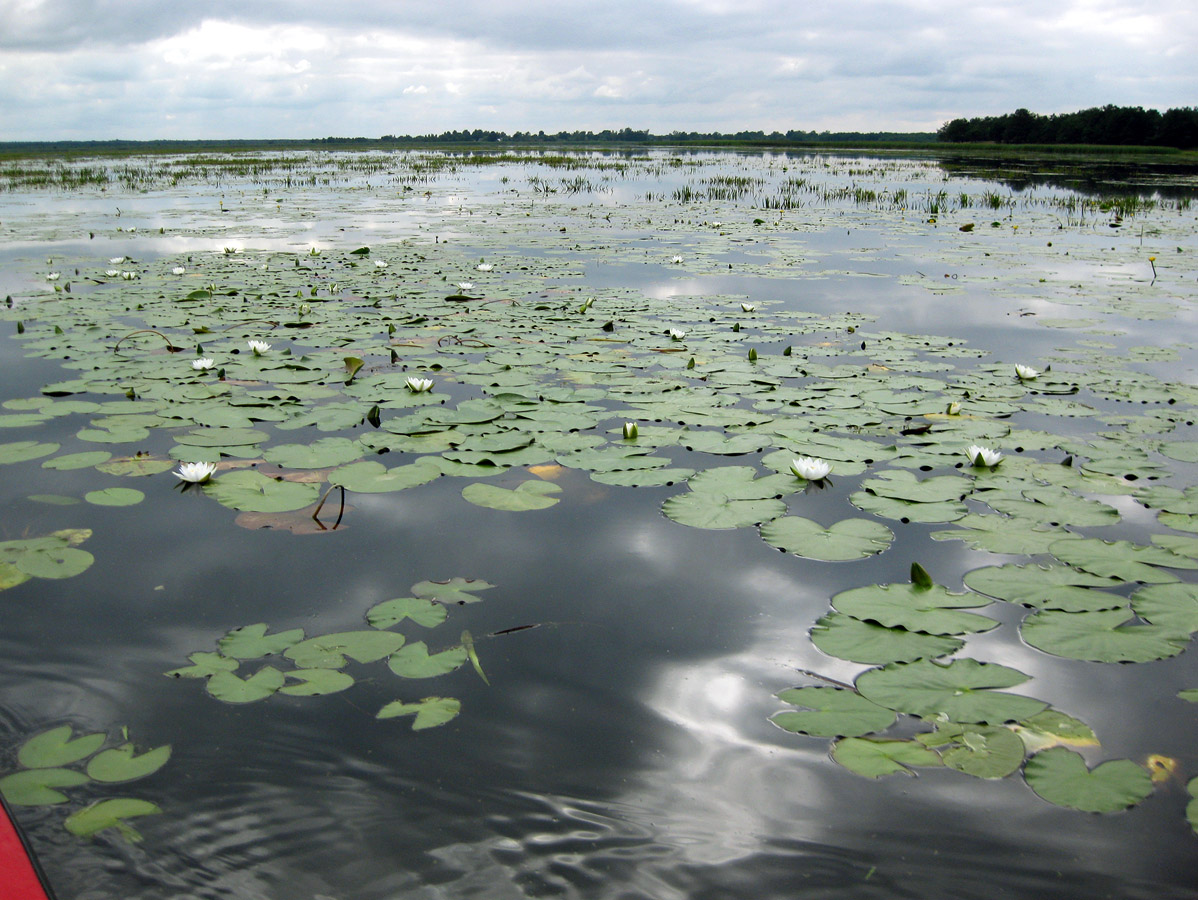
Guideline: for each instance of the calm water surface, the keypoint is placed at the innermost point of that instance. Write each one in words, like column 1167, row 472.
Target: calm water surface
column 623, row 747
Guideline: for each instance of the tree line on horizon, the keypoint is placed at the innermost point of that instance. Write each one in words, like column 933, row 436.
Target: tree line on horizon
column 635, row 136
column 1125, row 125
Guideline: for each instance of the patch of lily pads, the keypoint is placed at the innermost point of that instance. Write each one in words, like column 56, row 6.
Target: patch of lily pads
column 292, row 663
column 57, row 759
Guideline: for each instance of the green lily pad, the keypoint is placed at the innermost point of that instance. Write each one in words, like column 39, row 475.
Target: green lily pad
column 429, row 712
column 528, row 495
column 932, row 610
column 204, row 665
column 252, row 641
column 110, row 814
column 985, row 752
column 22, row 451
column 251, row 491
column 414, row 661
column 320, row 454
column 865, row 642
column 1170, row 606
column 906, row 511
column 71, row 461
column 456, row 591
column 314, row 682
column 369, row 477
column 1000, row 534
column 55, row 562
column 831, row 712
column 961, row 690
column 1046, row 587
column 1061, row 777
column 844, row 540
column 1120, row 559
column 874, row 758
column 36, row 787
column 122, row 764
column 421, row 611
column 1101, row 636
column 11, row 576
column 114, row 496
column 232, row 689
column 329, row 651
column 57, row 747
column 133, row 465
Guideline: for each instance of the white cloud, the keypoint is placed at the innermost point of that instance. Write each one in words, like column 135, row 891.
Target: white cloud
column 74, row 68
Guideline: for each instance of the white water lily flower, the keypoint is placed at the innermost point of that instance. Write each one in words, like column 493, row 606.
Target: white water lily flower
column 116, row 260
column 128, row 276
column 484, row 267
column 419, row 385
column 178, row 270
column 749, row 307
column 983, row 456
column 465, row 285
column 954, row 408
column 380, row 263
column 676, row 260
column 630, row 430
column 195, row 472
column 1026, row 373
column 53, row 276
column 677, row 334
column 259, row 347
column 810, row 468
column 202, row 363
column 112, row 273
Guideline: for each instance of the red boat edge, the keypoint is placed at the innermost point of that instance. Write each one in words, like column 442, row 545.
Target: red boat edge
column 21, row 877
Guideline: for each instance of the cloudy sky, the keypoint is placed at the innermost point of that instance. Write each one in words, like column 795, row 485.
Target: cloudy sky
column 96, row 69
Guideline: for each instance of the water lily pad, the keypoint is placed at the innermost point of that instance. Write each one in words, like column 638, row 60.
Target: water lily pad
column 252, row 641
column 55, row 562
column 1053, row 728
column 11, row 576
column 1120, row 559
column 57, row 747
column 985, row 752
column 414, row 661
column 369, row 477
column 1101, row 636
column 315, row 682
column 999, row 534
column 526, row 496
column 1046, row 587
column 21, row 451
column 1061, row 777
column 932, row 610
column 204, row 665
column 114, row 496
column 866, row 642
column 123, row 764
column 36, row 787
column 421, row 611
column 329, row 651
column 110, row 813
column 320, row 454
column 961, row 690
column 429, row 712
column 132, row 465
column 249, row 490
column 874, row 758
column 1169, row 606
column 831, row 712
column 232, row 689
column 844, row 540
column 70, row 461
column 458, row 591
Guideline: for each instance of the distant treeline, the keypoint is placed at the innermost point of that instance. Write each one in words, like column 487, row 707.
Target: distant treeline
column 1126, row 125
column 633, row 136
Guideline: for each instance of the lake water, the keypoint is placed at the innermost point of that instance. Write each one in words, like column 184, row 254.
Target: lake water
column 622, row 746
